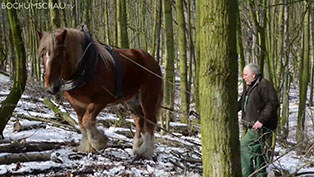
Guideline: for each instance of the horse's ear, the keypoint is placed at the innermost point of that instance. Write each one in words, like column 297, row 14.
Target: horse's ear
column 61, row 37
column 40, row 34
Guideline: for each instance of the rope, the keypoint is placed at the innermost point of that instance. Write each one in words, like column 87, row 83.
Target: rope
column 158, row 126
column 188, row 92
column 169, row 109
column 151, row 122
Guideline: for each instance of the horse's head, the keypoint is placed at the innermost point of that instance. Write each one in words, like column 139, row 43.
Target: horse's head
column 52, row 50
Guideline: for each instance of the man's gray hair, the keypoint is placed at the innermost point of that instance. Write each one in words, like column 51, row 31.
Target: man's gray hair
column 253, row 68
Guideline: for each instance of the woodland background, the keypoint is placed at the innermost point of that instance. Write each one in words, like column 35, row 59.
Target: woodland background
column 201, row 45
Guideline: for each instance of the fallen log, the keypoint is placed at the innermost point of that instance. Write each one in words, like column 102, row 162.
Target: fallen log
column 17, row 147
column 47, row 120
column 20, row 127
column 64, row 115
column 25, row 157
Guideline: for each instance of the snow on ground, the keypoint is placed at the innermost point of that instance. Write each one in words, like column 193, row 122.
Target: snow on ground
column 174, row 155
column 4, row 79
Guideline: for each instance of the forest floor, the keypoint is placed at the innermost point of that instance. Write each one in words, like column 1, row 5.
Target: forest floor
column 37, row 148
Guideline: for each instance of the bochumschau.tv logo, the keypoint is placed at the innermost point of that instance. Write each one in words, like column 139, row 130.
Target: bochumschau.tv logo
column 37, row 5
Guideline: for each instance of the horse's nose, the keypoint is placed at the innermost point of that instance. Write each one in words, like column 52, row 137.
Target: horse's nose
column 55, row 88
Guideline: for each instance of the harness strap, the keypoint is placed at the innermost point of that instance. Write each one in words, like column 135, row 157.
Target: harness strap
column 85, row 68
column 117, row 71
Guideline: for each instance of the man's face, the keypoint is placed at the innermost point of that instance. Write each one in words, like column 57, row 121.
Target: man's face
column 248, row 76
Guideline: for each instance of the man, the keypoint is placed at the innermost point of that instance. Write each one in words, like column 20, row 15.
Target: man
column 259, row 105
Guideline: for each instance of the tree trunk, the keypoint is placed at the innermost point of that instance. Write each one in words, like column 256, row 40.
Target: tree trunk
column 312, row 66
column 260, row 33
column 143, row 26
column 197, row 57
column 169, row 61
column 284, row 121
column 87, row 14
column 280, row 51
column 218, row 88
column 155, row 28
column 106, row 20
column 304, row 76
column 9, row 104
column 55, row 20
column 270, row 73
column 183, row 61
column 122, row 24
column 159, row 33
column 240, row 45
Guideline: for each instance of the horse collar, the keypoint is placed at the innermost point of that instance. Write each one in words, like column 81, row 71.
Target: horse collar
column 86, row 67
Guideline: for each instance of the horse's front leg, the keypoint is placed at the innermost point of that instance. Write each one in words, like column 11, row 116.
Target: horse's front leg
column 84, row 145
column 95, row 138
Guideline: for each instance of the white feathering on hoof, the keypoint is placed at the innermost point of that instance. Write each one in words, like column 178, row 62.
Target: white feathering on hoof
column 84, row 145
column 146, row 149
column 96, row 139
column 137, row 142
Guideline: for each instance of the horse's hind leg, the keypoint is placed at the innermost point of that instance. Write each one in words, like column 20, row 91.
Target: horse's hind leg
column 150, row 105
column 137, row 114
column 96, row 138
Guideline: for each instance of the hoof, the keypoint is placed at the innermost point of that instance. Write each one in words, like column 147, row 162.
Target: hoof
column 138, row 141
column 141, row 157
column 99, row 144
column 85, row 147
column 143, row 154
column 97, row 140
column 84, row 144
column 145, row 151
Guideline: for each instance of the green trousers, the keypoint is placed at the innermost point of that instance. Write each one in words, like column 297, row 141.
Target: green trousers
column 253, row 155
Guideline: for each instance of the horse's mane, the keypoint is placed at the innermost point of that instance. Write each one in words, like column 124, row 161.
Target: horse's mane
column 74, row 41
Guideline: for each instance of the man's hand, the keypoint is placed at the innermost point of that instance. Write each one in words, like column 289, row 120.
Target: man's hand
column 258, row 125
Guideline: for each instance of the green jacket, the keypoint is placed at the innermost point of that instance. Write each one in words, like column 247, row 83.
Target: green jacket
column 262, row 104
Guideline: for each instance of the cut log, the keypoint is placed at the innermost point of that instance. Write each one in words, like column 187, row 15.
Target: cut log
column 53, row 122
column 25, row 157
column 17, row 147
column 20, row 127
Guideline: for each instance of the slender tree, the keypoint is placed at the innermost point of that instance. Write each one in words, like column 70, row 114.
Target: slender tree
column 169, row 60
column 122, row 24
column 197, row 56
column 312, row 65
column 284, row 121
column 158, row 32
column 106, row 22
column 259, row 28
column 156, row 28
column 55, row 20
column 304, row 76
column 240, row 44
column 9, row 104
column 183, row 60
column 218, row 88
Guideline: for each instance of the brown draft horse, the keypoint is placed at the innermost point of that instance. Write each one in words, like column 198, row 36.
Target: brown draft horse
column 87, row 73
